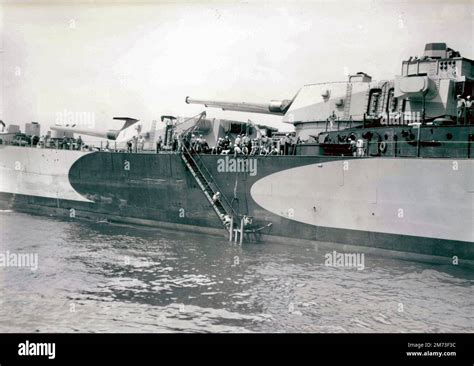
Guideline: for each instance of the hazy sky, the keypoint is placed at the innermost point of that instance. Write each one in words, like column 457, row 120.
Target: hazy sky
column 142, row 59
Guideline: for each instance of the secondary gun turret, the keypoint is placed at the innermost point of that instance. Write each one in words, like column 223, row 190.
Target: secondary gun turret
column 275, row 107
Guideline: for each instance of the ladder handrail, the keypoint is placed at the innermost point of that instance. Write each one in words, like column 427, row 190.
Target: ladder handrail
column 188, row 131
column 209, row 198
column 211, row 178
column 215, row 183
column 200, row 183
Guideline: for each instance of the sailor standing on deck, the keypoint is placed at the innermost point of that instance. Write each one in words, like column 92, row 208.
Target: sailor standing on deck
column 220, row 146
column 174, row 144
column 360, row 148
column 141, row 143
column 468, row 110
column 226, row 143
column 461, row 105
column 134, row 144
column 158, row 144
column 287, row 144
column 79, row 143
column 281, row 145
column 291, row 145
column 237, row 149
column 200, row 144
column 237, row 141
column 193, row 142
column 246, row 147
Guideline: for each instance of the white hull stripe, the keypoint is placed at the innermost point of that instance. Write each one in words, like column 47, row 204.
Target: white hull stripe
column 421, row 197
column 38, row 172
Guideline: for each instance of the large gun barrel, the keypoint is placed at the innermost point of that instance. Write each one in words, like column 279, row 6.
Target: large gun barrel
column 275, row 107
column 110, row 134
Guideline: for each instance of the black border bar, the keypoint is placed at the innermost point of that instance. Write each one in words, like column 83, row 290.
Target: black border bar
column 128, row 346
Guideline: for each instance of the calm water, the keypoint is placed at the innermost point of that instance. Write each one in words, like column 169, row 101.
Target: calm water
column 98, row 277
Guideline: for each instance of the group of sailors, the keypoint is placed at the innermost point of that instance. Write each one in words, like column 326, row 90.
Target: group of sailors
column 70, row 143
column 198, row 144
column 136, row 144
column 64, row 143
column 243, row 144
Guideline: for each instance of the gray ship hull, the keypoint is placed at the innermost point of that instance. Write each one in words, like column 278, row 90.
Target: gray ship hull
column 407, row 206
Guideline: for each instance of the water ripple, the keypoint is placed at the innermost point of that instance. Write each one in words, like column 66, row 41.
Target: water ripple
column 108, row 278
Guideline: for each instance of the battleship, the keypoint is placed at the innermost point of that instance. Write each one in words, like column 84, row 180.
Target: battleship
column 385, row 165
